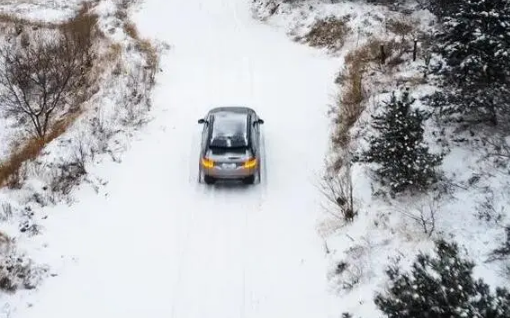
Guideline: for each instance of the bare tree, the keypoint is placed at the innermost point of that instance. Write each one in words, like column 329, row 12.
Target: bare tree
column 44, row 78
column 425, row 215
column 337, row 187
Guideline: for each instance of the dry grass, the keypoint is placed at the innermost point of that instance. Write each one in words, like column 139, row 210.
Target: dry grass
column 20, row 23
column 146, row 47
column 114, row 52
column 11, row 173
column 349, row 104
column 403, row 26
column 131, row 30
column 329, row 33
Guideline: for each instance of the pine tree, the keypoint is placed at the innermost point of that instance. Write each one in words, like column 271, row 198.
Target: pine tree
column 441, row 287
column 475, row 44
column 399, row 149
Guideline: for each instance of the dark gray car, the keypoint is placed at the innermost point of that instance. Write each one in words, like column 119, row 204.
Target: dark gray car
column 230, row 145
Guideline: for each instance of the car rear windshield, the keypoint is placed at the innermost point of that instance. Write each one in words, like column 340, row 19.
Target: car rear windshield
column 229, row 132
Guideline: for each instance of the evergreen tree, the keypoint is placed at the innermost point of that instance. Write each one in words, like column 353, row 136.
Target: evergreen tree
column 398, row 148
column 441, row 287
column 475, row 44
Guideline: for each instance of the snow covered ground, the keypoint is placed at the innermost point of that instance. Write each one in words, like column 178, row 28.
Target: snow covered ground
column 154, row 242
column 150, row 241
column 41, row 10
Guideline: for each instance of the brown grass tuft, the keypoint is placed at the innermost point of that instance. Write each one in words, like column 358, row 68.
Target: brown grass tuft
column 131, row 30
column 402, row 26
column 146, row 47
column 11, row 174
column 329, row 33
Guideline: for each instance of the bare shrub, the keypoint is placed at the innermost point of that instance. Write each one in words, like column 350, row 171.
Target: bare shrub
column 356, row 264
column 349, row 275
column 503, row 251
column 101, row 132
column 488, row 209
column 6, row 212
column 337, row 187
column 329, row 33
column 427, row 218
column 151, row 59
column 43, row 80
column 16, row 270
column 425, row 215
column 498, row 150
column 66, row 176
column 133, row 98
column 81, row 153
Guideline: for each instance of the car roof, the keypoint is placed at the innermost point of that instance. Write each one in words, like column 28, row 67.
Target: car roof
column 232, row 109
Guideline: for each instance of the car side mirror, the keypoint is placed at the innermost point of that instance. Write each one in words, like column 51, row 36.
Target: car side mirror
column 260, row 121
column 201, row 121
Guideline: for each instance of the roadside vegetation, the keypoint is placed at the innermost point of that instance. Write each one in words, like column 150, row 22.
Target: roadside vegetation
column 418, row 175
column 73, row 93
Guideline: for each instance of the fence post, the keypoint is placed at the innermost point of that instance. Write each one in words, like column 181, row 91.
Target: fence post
column 415, row 49
column 383, row 55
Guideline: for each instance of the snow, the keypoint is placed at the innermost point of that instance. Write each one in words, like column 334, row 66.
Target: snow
column 153, row 242
column 142, row 238
column 41, row 10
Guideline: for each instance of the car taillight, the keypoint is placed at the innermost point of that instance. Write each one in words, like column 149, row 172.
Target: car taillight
column 252, row 163
column 207, row 163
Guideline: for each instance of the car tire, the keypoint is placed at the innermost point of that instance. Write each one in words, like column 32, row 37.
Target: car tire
column 209, row 179
column 249, row 180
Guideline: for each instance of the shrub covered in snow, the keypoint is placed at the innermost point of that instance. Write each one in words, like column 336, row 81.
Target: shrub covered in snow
column 441, row 286
column 398, row 148
column 16, row 270
column 473, row 41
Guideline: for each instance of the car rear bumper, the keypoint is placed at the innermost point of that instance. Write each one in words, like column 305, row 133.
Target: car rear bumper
column 229, row 173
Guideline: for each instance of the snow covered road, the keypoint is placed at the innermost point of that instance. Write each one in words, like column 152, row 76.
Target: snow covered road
column 160, row 245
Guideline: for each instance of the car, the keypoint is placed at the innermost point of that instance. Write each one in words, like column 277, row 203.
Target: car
column 230, row 148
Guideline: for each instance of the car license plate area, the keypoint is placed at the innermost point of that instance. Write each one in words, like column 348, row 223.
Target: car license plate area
column 229, row 166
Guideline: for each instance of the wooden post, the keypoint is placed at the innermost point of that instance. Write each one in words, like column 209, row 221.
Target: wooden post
column 383, row 55
column 415, row 49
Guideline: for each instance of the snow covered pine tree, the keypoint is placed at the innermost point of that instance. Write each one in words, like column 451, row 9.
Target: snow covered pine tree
column 474, row 43
column 441, row 287
column 404, row 160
